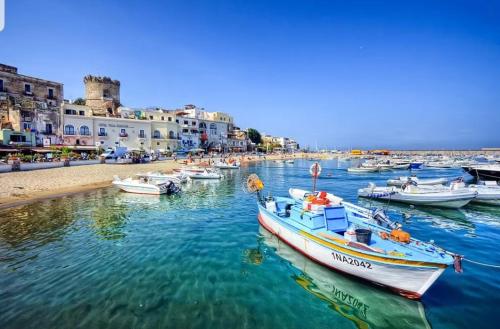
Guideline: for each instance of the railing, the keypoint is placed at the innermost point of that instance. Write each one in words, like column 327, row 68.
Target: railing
column 123, row 135
column 102, row 134
column 67, row 133
column 142, row 136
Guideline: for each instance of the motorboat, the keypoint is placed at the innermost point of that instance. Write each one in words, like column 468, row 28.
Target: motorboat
column 344, row 237
column 361, row 169
column 404, row 179
column 488, row 192
column 144, row 185
column 439, row 165
column 290, row 161
column 158, row 177
column 206, row 173
column 415, row 165
column 453, row 196
column 401, row 166
column 227, row 165
column 362, row 305
column 484, row 172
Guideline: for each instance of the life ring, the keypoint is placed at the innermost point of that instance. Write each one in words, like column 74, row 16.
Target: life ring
column 315, row 169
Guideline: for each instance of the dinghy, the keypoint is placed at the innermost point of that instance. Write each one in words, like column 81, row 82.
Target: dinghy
column 227, row 165
column 487, row 193
column 144, row 185
column 333, row 233
column 362, row 169
column 404, row 179
column 204, row 174
column 426, row 195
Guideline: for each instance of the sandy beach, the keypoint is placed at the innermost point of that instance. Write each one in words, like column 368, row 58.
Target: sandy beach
column 26, row 186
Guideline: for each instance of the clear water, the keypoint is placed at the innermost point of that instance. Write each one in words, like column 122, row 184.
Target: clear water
column 106, row 259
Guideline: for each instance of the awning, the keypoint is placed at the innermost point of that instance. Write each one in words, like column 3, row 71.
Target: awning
column 8, row 150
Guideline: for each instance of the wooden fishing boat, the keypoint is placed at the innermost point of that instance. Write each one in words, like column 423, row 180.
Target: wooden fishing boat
column 320, row 226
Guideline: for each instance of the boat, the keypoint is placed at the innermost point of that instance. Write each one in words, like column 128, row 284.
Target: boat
column 158, row 177
column 401, row 166
column 484, row 172
column 206, row 173
column 144, row 185
column 416, row 165
column 227, row 165
column 427, row 195
column 404, row 179
column 488, row 192
column 362, row 169
column 291, row 161
column 363, row 305
column 344, row 237
column 439, row 165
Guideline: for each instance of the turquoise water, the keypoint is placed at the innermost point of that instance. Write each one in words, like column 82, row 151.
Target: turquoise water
column 106, row 259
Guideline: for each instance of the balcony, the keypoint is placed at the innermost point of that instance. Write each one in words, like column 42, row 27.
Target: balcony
column 28, row 93
column 123, row 135
column 102, row 134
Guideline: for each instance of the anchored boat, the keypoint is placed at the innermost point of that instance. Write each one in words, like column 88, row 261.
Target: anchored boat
column 345, row 237
column 404, row 180
column 487, row 193
column 435, row 196
column 227, row 165
column 145, row 185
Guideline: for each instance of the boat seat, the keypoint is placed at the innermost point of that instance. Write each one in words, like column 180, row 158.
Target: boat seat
column 281, row 208
column 335, row 219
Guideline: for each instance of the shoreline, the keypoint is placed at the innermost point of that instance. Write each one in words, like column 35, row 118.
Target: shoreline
column 24, row 187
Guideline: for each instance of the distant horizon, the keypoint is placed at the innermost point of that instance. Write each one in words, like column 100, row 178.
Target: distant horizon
column 413, row 75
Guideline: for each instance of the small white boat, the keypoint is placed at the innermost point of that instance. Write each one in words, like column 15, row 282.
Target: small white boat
column 205, row 174
column 429, row 181
column 401, row 166
column 158, row 177
column 227, row 165
column 290, row 161
column 362, row 169
column 427, row 195
column 144, row 185
column 487, row 193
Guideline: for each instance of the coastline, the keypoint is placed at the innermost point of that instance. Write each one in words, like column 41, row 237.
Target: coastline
column 19, row 188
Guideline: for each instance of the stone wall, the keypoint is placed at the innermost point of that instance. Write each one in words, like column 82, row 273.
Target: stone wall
column 102, row 94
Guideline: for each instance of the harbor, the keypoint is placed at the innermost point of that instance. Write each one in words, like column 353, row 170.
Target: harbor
column 201, row 256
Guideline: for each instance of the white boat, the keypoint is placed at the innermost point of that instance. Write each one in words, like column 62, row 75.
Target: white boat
column 144, row 185
column 290, row 161
column 204, row 174
column 426, row 195
column 487, row 193
column 439, row 165
column 158, row 177
column 227, row 165
column 401, row 166
column 408, row 267
column 404, row 179
column 362, row 169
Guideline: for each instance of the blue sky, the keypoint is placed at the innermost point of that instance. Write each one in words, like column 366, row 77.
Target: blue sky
column 394, row 74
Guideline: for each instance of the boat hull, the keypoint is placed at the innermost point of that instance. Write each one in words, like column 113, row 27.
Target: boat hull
column 452, row 202
column 409, row 280
column 139, row 190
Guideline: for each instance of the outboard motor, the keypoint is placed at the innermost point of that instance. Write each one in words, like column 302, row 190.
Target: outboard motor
column 380, row 216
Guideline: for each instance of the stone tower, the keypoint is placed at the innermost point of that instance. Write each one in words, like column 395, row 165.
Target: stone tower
column 102, row 95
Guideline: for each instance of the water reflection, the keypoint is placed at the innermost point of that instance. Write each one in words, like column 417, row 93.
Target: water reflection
column 366, row 306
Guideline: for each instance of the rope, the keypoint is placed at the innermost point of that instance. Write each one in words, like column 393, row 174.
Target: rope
column 483, row 264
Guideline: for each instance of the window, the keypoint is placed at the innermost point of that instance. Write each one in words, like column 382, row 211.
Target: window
column 123, row 133
column 105, row 93
column 82, row 113
column 70, row 112
column 51, row 93
column 69, row 130
column 169, row 118
column 1, row 85
column 48, row 128
column 213, row 129
column 163, row 118
column 26, row 126
column 84, row 131
column 193, row 123
column 142, row 134
column 150, row 117
column 185, row 130
column 177, row 120
column 171, row 134
column 27, row 88
column 186, row 122
column 102, row 131
column 156, row 134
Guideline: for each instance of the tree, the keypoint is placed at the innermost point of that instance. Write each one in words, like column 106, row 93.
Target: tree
column 79, row 101
column 254, row 136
